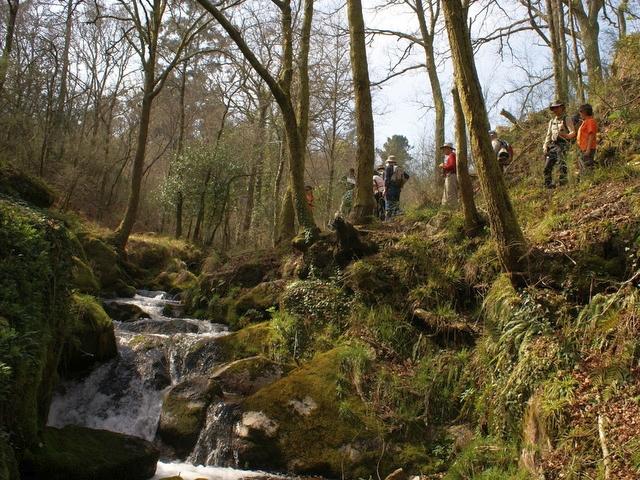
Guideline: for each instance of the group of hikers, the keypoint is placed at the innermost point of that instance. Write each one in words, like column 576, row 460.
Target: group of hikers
column 389, row 178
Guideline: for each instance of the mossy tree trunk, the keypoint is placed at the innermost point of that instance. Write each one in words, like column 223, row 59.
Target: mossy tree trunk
column 472, row 220
column 364, row 203
column 427, row 32
column 506, row 231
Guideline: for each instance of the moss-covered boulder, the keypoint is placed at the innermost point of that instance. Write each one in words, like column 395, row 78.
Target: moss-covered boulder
column 184, row 411
column 248, row 375
column 18, row 184
column 105, row 263
column 35, row 281
column 84, row 280
column 75, row 453
column 247, row 342
column 92, row 335
column 301, row 424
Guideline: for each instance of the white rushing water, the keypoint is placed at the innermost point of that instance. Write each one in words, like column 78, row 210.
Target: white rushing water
column 191, row 472
column 125, row 394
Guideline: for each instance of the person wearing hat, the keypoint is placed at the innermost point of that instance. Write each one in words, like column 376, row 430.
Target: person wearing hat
column 378, row 191
column 450, row 194
column 561, row 129
column 394, row 179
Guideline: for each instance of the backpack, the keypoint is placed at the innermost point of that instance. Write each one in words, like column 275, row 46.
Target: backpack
column 506, row 151
column 399, row 177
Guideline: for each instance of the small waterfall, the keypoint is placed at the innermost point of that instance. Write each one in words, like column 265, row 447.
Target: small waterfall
column 214, row 446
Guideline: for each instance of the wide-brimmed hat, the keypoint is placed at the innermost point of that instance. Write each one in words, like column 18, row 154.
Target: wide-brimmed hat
column 391, row 159
column 380, row 167
column 493, row 132
column 555, row 104
column 448, row 145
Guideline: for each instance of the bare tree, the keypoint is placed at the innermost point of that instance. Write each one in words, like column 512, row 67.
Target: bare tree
column 281, row 90
column 14, row 5
column 143, row 27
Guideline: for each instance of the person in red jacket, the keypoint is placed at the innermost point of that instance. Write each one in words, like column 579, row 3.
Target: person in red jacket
column 450, row 194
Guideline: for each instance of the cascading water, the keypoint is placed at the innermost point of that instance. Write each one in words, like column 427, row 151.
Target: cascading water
column 125, row 394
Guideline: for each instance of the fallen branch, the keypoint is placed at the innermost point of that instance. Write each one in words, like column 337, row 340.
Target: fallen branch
column 510, row 116
column 606, row 456
column 440, row 326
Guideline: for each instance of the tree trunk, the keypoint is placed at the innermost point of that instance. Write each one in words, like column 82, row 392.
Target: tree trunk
column 589, row 34
column 576, row 56
column 436, row 89
column 472, row 221
column 364, row 203
column 621, row 14
column 8, row 42
column 555, row 34
column 511, row 247
column 121, row 234
column 180, row 147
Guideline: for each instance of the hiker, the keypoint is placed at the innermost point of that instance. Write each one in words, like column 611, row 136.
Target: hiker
column 394, row 179
column 561, row 129
column 308, row 195
column 346, row 204
column 586, row 135
column 502, row 149
column 378, row 191
column 450, row 193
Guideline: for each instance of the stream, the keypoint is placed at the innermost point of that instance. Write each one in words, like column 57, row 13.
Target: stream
column 125, row 394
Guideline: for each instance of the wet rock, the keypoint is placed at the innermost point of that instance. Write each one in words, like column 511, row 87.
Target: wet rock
column 94, row 454
column 259, row 300
column 124, row 312
column 247, row 376
column 168, row 327
column 183, row 412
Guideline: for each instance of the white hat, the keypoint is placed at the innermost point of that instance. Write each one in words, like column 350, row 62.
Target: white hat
column 448, row 145
column 391, row 159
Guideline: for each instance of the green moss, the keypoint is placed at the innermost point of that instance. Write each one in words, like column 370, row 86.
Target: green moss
column 75, row 453
column 325, row 451
column 104, row 262
column 83, row 277
column 247, row 342
column 23, row 186
column 35, row 276
column 8, row 462
column 91, row 335
column 486, row 458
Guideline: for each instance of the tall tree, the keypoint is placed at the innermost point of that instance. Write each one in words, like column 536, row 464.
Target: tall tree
column 587, row 13
column 397, row 145
column 505, row 228
column 145, row 19
column 428, row 33
column 14, row 5
column 364, row 203
column 281, row 91
column 555, row 21
column 472, row 220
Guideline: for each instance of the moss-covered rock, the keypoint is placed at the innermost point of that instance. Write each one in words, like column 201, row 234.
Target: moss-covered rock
column 248, row 375
column 18, row 184
column 84, row 280
column 183, row 412
column 35, row 280
column 75, row 453
column 306, row 427
column 106, row 265
column 92, row 336
column 247, row 342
